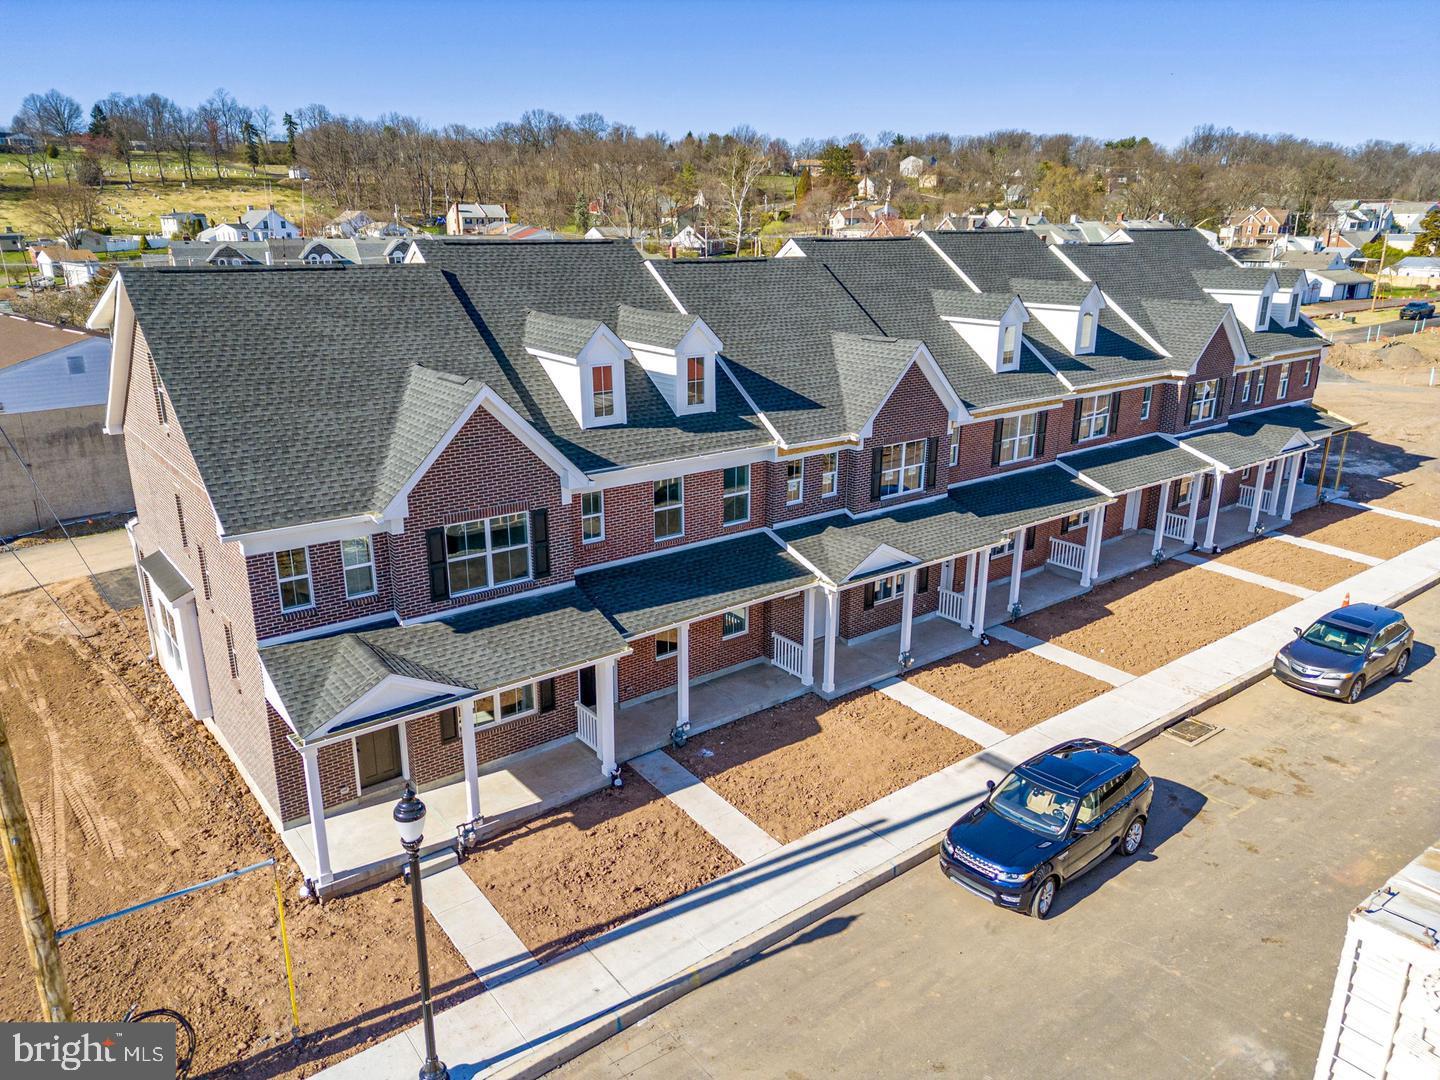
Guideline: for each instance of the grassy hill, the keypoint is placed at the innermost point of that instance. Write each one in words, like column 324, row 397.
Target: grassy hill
column 137, row 208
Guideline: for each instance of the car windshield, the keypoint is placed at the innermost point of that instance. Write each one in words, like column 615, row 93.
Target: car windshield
column 1340, row 638
column 1028, row 804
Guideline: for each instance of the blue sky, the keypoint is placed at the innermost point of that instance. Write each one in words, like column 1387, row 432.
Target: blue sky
column 1107, row 68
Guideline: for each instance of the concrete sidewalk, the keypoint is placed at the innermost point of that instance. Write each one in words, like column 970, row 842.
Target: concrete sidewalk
column 532, row 1018
column 58, row 560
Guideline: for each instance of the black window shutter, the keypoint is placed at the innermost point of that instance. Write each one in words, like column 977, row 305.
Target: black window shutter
column 435, row 553
column 1075, row 422
column 1219, row 396
column 1064, row 525
column 995, row 450
column 1040, row 434
column 1030, row 538
column 547, row 695
column 1115, row 413
column 922, row 579
column 932, row 461
column 1235, row 391
column 540, row 541
column 1189, row 402
column 869, row 596
column 876, row 463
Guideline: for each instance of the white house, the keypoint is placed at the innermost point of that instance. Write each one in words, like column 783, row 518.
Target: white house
column 912, row 166
column 181, row 221
column 1336, row 285
column 1421, row 267
column 72, row 266
column 469, row 219
column 690, row 239
column 266, row 224
column 348, row 225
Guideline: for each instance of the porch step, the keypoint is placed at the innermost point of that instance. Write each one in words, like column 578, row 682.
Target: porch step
column 442, row 859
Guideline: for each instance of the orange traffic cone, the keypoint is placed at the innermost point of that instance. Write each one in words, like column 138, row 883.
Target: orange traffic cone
column 1346, row 601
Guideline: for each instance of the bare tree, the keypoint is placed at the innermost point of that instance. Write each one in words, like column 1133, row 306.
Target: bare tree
column 56, row 116
column 159, row 115
column 741, row 167
column 65, row 209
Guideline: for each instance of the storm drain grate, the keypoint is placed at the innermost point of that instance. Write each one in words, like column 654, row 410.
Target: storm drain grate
column 1191, row 731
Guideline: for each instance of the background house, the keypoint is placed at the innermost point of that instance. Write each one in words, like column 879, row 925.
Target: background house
column 1416, row 270
column 348, row 224
column 181, row 221
column 53, row 382
column 471, row 219
column 253, row 225
column 71, row 266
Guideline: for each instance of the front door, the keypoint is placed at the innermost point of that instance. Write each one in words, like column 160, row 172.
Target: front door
column 379, row 756
column 1132, row 512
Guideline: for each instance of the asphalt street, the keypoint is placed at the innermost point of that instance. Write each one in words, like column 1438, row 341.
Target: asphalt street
column 1210, row 954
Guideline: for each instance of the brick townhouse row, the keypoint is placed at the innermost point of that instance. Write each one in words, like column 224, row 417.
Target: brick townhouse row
column 405, row 522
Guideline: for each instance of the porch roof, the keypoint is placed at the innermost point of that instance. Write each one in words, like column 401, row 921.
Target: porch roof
column 692, row 583
column 484, row 649
column 166, row 576
column 1251, row 439
column 1007, row 503
column 1136, row 464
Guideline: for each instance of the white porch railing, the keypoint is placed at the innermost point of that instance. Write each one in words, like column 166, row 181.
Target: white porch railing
column 1175, row 525
column 1067, row 554
column 787, row 655
column 951, row 604
column 1267, row 500
column 588, row 728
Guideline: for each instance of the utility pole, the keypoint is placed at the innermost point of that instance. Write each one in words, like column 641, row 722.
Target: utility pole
column 1384, row 245
column 29, row 889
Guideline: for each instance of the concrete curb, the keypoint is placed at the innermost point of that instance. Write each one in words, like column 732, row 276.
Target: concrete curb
column 574, row 1043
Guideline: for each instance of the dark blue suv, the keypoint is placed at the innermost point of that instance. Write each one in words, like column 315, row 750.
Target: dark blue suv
column 1054, row 817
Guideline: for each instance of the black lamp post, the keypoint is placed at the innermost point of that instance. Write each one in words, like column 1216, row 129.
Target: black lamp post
column 410, row 819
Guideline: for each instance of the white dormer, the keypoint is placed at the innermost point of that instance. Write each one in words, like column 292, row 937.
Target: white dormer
column 679, row 354
column 1069, row 310
column 991, row 324
column 1250, row 292
column 585, row 361
column 1286, row 303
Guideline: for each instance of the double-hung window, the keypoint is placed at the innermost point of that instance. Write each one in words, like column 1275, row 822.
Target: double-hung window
column 1264, row 318
column 1147, row 398
column 1094, row 417
column 670, row 507
column 592, row 516
column 487, row 553
column 1283, row 387
column 1087, row 331
column 602, row 390
column 1294, row 308
column 519, row 701
column 168, row 635
column 1017, row 438
column 1204, row 400
column 695, row 380
column 794, row 482
column 902, row 468
column 292, row 568
column 1245, row 389
column 1010, row 347
column 1305, row 373
column 1071, row 522
column 735, row 623
column 887, row 588
column 999, row 551
column 736, row 507
column 830, row 475
column 1260, row 387
column 1185, row 487
column 358, row 560
column 667, row 644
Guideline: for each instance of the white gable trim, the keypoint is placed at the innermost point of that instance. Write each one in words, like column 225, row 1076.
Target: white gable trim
column 929, row 240
column 391, row 693
column 723, row 365
column 788, row 250
column 114, row 313
column 650, row 266
column 936, row 378
column 882, row 558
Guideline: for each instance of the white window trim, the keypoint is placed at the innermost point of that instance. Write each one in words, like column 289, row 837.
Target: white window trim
column 370, row 562
column 1001, row 361
column 1099, row 409
column 489, row 556
column 744, row 615
column 1305, row 373
column 706, row 364
column 656, row 509
column 601, row 515
column 1245, row 389
column 673, row 652
column 531, row 711
column 832, row 470
column 900, row 469
column 1262, row 316
column 595, row 413
column 1086, row 342
column 799, row 483
column 1147, row 398
column 724, row 495
column 1213, row 400
column 1260, row 386
column 895, row 585
column 280, row 582
column 1017, row 439
column 1282, row 386
column 169, row 633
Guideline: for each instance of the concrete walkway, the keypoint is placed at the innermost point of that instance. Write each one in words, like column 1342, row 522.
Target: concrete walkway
column 1083, row 664
column 941, row 711
column 1217, row 567
column 1327, row 549
column 705, row 806
column 59, row 560
column 478, row 931
column 1434, row 524
column 542, row 1016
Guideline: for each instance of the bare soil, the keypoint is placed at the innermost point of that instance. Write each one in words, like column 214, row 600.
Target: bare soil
column 1143, row 621
column 567, row 877
column 1009, row 688
column 125, row 808
column 805, row 763
column 1289, row 562
column 1359, row 530
column 1394, row 459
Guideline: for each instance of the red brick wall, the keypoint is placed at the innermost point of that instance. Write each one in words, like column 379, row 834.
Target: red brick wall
column 778, row 510
column 977, row 447
column 856, row 620
column 913, row 411
column 1216, row 362
column 327, row 589
column 640, row 673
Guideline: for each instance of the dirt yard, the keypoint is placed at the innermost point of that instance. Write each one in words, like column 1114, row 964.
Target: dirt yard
column 808, row 762
column 1394, row 459
column 570, row 875
column 1007, row 687
column 139, row 808
column 1290, row 562
column 1140, row 622
column 1359, row 530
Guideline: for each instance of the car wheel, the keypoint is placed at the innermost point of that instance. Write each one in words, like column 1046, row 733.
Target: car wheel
column 1044, row 898
column 1356, row 689
column 1402, row 664
column 1134, row 837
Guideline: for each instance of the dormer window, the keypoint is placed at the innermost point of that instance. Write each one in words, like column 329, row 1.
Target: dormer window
column 1263, row 318
column 1087, row 332
column 1294, row 307
column 695, row 381
column 602, row 389
column 1010, row 347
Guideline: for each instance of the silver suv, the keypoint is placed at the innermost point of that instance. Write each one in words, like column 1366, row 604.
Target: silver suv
column 1343, row 652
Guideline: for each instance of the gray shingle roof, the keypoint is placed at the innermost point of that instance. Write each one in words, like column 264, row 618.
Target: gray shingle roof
column 1232, row 277
column 1134, row 464
column 1006, row 503
column 665, row 329
column 498, row 645
column 1350, row 277
column 652, row 594
column 166, row 576
column 1061, row 293
column 557, row 333
column 957, row 304
column 1255, row 437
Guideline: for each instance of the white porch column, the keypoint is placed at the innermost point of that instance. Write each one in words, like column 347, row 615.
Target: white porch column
column 832, row 632
column 1280, row 464
column 1214, row 517
column 315, row 800
column 1098, row 517
column 982, row 591
column 807, row 635
column 1259, row 492
column 466, row 723
column 1193, row 518
column 682, row 676
column 605, row 713
column 1160, row 519
column 967, row 603
column 1017, row 568
column 907, row 611
column 1297, row 466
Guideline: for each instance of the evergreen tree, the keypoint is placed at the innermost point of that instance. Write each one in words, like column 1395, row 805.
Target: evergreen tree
column 252, row 143
column 582, row 214
column 291, row 127
column 99, row 122
column 1428, row 242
